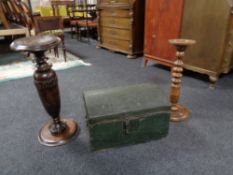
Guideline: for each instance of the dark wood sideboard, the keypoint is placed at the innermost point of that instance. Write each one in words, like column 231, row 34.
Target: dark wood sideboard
column 121, row 26
column 209, row 22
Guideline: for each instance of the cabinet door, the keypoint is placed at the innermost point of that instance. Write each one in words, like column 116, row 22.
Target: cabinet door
column 206, row 21
column 163, row 22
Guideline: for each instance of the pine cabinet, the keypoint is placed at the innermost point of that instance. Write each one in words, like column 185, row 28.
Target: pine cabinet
column 121, row 26
column 211, row 25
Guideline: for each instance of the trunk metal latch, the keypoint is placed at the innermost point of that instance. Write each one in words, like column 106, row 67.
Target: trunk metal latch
column 130, row 126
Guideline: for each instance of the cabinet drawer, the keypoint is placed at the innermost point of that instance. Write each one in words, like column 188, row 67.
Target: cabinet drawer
column 115, row 33
column 122, row 23
column 114, row 13
column 115, row 1
column 115, row 44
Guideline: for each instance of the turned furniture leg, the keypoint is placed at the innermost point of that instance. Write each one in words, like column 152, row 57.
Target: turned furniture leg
column 213, row 79
column 63, row 47
column 145, row 62
column 56, row 54
column 178, row 112
column 131, row 56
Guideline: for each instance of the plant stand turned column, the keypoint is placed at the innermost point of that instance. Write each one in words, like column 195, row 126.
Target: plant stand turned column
column 57, row 131
column 178, row 112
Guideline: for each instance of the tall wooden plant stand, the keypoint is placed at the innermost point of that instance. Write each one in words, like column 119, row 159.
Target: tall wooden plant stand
column 57, row 131
column 178, row 112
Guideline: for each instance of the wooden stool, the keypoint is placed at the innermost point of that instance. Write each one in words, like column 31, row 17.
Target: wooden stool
column 57, row 131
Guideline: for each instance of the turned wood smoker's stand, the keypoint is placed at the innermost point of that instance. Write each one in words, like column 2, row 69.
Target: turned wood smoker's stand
column 57, row 131
column 178, row 112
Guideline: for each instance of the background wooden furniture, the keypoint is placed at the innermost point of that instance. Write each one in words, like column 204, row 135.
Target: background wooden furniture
column 57, row 3
column 88, row 22
column 11, row 11
column 52, row 25
column 85, row 20
column 3, row 18
column 121, row 25
column 209, row 22
column 59, row 8
column 73, row 18
column 11, row 24
column 27, row 17
column 163, row 20
column 14, row 29
column 211, row 26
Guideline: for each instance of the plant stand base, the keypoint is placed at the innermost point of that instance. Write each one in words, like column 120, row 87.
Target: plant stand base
column 180, row 114
column 46, row 138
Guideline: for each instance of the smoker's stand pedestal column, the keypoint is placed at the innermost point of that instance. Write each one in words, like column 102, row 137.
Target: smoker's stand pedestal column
column 57, row 131
column 178, row 112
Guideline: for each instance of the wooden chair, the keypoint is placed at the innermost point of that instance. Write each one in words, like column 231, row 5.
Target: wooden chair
column 85, row 20
column 10, row 15
column 51, row 25
column 26, row 16
column 3, row 15
column 10, row 10
column 56, row 4
column 88, row 23
column 74, row 17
